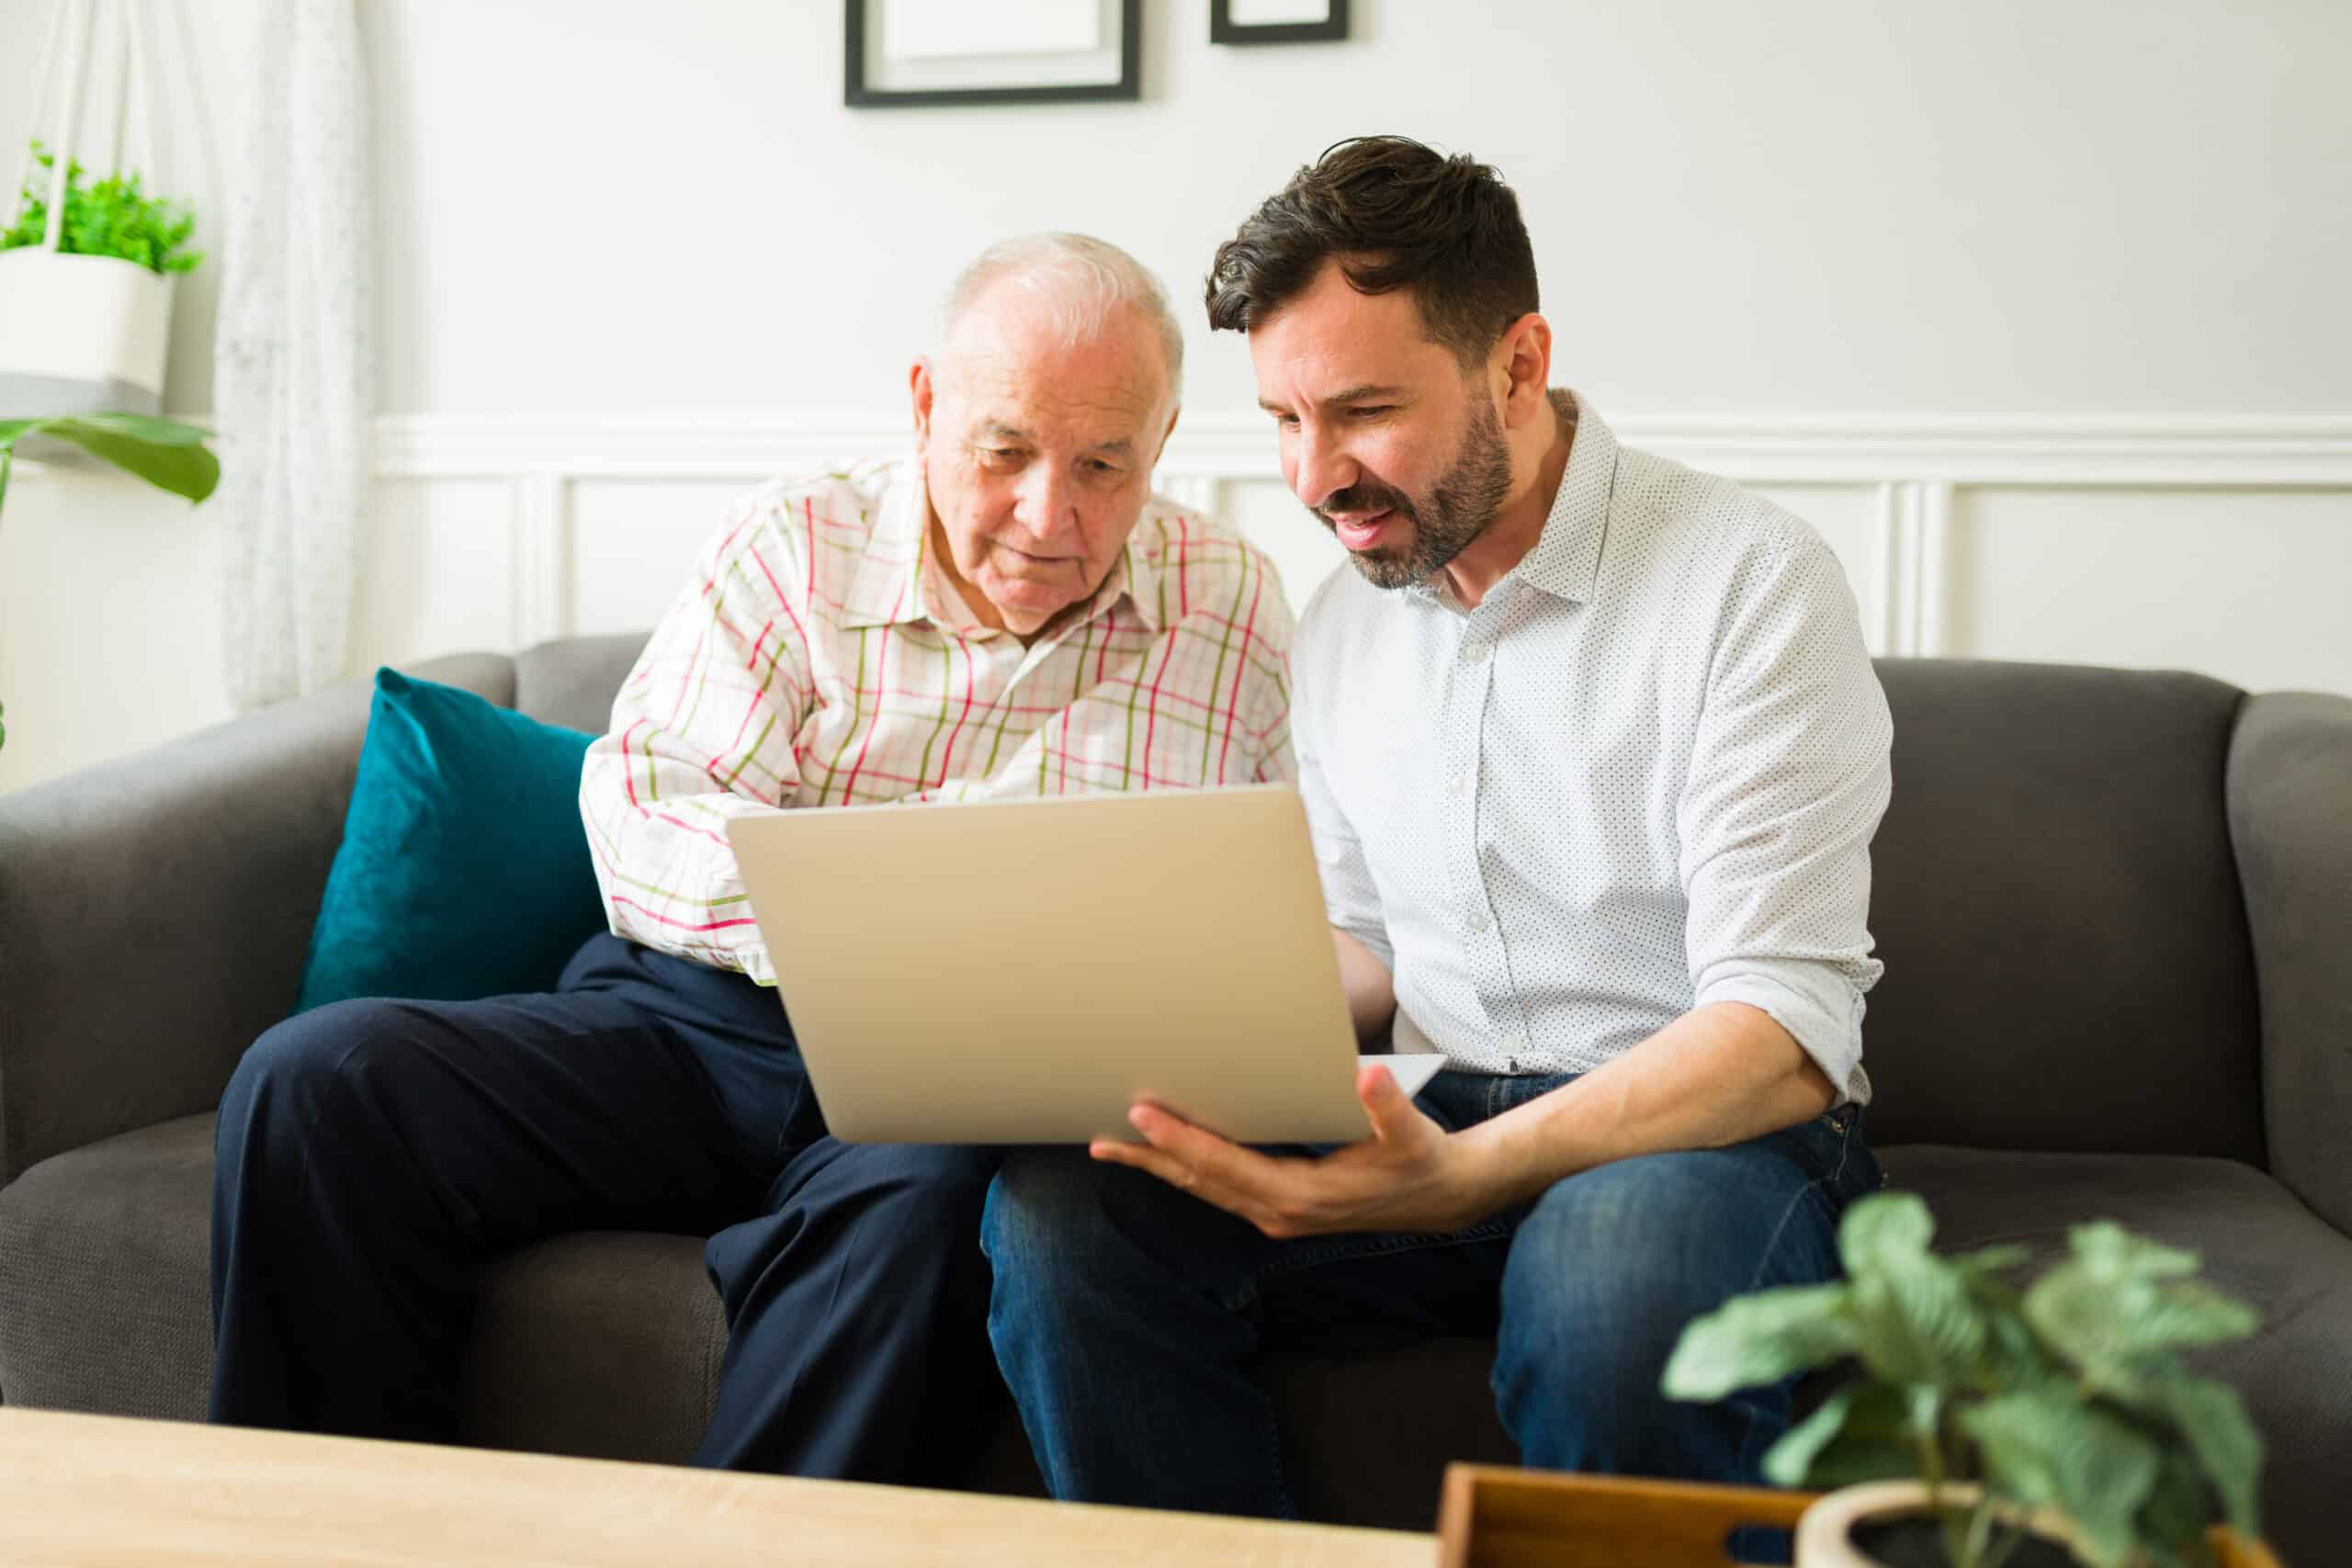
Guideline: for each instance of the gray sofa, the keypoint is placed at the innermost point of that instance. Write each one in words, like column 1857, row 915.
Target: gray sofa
column 2116, row 910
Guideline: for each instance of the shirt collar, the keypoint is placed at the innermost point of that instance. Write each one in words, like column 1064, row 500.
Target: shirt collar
column 888, row 588
column 1140, row 567
column 898, row 583
column 1566, row 562
column 1566, row 559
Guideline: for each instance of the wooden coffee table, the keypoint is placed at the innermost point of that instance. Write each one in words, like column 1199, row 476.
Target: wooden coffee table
column 95, row 1489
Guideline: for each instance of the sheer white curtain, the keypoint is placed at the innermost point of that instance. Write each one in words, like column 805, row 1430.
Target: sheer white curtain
column 293, row 362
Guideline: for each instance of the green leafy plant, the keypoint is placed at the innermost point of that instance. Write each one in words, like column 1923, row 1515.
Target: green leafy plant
column 167, row 453
column 2069, row 1396
column 110, row 217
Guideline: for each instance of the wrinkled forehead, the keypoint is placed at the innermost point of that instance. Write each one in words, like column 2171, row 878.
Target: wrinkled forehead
column 1020, row 371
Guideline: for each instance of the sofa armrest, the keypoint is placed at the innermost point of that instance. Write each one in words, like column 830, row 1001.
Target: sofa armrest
column 2291, row 821
column 155, row 911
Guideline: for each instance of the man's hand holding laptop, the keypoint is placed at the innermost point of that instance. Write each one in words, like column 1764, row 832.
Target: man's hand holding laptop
column 1410, row 1174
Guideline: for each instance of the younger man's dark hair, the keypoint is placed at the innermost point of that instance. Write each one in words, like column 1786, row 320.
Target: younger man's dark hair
column 1396, row 215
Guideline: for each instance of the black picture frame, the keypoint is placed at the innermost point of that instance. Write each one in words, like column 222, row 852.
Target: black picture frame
column 1128, row 88
column 1223, row 28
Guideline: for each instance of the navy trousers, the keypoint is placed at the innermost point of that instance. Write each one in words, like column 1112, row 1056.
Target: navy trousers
column 374, row 1155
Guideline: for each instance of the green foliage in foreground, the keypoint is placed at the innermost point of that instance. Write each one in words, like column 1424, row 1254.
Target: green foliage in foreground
column 2070, row 1395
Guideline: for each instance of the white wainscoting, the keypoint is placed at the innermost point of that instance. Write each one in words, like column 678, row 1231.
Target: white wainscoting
column 2219, row 544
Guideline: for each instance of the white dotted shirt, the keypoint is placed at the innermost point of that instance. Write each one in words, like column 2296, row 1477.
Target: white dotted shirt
column 1640, row 776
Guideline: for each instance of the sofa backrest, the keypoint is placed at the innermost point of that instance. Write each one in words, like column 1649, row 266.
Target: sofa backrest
column 2055, row 898
column 573, row 681
column 2053, row 892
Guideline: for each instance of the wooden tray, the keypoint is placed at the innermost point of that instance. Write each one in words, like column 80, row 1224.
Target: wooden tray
column 1492, row 1517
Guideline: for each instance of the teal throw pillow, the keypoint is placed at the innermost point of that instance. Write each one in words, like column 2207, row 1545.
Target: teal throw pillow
column 464, row 870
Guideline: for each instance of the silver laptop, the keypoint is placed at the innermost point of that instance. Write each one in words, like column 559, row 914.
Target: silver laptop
column 1022, row 972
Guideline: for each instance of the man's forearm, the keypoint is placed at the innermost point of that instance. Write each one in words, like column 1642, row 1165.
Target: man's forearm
column 1719, row 1075
column 1370, row 990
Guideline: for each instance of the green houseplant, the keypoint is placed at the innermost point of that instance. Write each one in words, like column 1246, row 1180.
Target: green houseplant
column 88, row 274
column 2065, row 1401
column 111, row 217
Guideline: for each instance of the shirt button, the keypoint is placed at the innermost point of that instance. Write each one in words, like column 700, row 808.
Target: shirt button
column 1455, row 786
column 1476, row 652
column 1477, row 920
column 1514, row 1044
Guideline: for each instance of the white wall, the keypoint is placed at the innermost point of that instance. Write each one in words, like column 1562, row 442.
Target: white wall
column 2035, row 309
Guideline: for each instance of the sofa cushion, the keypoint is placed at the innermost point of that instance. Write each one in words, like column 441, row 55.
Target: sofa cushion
column 464, row 870
column 604, row 1345
column 1366, row 1435
column 2056, row 899
column 2258, row 1242
column 105, row 1276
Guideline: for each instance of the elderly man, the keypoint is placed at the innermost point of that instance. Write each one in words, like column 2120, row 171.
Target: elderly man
column 1593, row 755
column 1010, row 613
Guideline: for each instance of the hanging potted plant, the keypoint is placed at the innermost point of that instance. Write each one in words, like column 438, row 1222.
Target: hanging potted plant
column 1986, row 1425
column 87, row 275
column 86, row 292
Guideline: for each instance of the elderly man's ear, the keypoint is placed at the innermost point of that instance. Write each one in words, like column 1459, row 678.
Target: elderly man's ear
column 918, row 386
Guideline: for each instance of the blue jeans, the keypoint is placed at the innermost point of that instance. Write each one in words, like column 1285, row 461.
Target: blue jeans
column 1125, row 1314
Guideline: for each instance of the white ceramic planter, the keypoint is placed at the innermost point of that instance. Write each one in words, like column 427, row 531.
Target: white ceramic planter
column 79, row 334
column 1824, row 1532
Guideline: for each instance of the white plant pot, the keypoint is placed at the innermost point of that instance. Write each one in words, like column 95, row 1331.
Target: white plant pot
column 81, row 334
column 1825, row 1532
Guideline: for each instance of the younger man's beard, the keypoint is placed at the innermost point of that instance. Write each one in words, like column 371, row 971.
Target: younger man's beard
column 1466, row 498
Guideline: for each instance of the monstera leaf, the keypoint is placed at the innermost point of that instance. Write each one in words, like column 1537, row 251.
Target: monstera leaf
column 165, row 452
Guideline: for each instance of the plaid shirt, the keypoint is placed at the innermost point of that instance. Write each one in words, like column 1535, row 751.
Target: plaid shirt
column 818, row 657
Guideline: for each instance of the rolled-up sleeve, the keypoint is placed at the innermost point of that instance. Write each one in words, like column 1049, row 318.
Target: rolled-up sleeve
column 702, row 732
column 1789, row 776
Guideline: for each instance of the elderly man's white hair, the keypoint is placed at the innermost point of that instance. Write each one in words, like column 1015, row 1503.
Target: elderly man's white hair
column 1081, row 279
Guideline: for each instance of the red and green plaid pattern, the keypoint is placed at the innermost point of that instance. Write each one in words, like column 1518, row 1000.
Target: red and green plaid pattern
column 817, row 658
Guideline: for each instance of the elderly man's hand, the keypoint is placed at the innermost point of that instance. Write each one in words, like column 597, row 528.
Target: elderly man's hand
column 1410, row 1174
